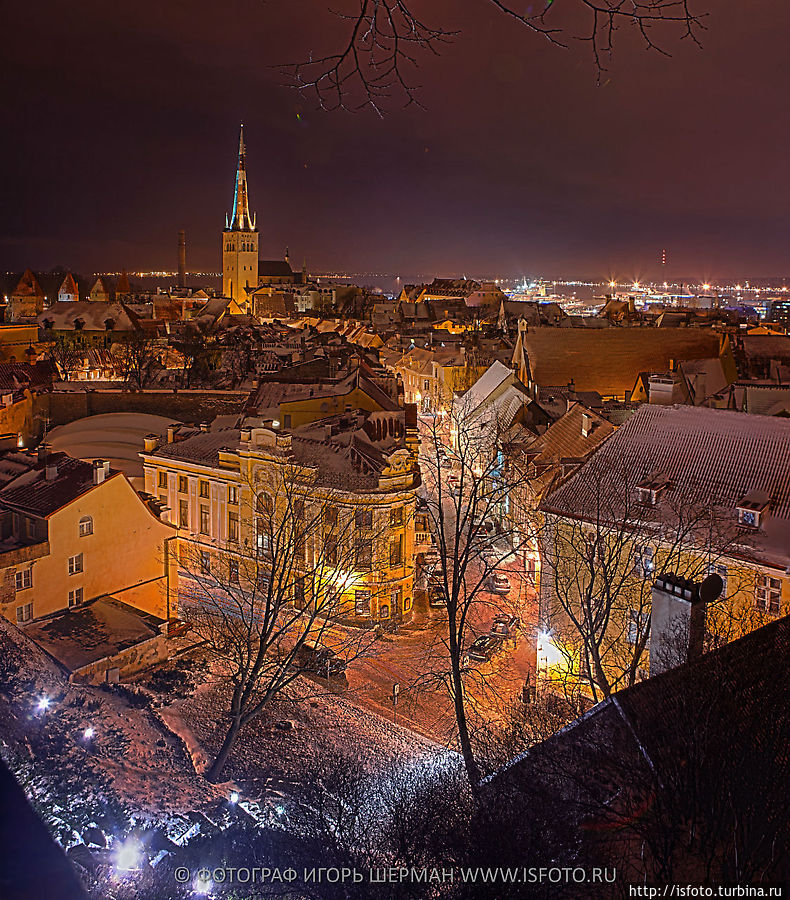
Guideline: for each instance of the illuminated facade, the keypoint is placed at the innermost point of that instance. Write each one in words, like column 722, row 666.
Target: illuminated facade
column 213, row 483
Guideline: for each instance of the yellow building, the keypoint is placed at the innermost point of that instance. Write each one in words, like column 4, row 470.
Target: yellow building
column 73, row 532
column 357, row 472
column 682, row 490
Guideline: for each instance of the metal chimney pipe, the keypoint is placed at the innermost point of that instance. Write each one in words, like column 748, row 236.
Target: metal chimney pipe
column 182, row 259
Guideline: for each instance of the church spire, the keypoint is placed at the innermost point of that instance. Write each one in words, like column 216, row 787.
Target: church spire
column 240, row 218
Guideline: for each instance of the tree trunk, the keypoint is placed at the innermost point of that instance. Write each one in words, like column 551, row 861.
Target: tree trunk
column 215, row 770
column 472, row 769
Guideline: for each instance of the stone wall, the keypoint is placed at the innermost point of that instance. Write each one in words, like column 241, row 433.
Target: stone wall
column 128, row 662
column 62, row 407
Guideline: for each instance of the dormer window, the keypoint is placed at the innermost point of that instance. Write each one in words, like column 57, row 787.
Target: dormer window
column 650, row 490
column 752, row 509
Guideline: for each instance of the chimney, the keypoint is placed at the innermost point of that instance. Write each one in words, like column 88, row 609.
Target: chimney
column 100, row 469
column 327, row 432
column 677, row 630
column 182, row 259
column 51, row 470
column 204, row 426
column 587, row 424
column 151, row 442
column 42, row 453
column 246, row 434
column 171, row 433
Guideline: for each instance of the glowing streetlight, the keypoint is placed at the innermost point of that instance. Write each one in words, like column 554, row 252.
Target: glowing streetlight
column 612, row 284
column 234, row 797
column 705, row 287
column 128, row 856
column 43, row 703
column 636, row 285
column 88, row 733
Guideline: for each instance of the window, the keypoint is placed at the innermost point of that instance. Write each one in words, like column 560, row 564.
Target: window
column 75, row 564
column 721, row 571
column 768, row 594
column 24, row 579
column 396, row 551
column 163, row 479
column 299, row 592
column 75, row 597
column 30, row 528
column 330, row 516
column 183, row 484
column 299, row 510
column 204, row 520
column 384, row 611
column 205, row 562
column 86, row 526
column 396, row 517
column 362, row 603
column 637, row 622
column 24, row 613
column 364, row 555
column 263, row 540
column 204, row 489
column 287, row 420
column 233, row 494
column 233, row 526
column 183, row 513
column 233, row 571
column 331, row 552
column 396, row 594
column 747, row 517
column 363, row 518
column 644, row 564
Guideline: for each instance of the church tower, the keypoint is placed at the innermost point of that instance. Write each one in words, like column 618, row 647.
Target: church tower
column 240, row 239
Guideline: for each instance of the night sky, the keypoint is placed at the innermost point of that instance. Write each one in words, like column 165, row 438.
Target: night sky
column 120, row 125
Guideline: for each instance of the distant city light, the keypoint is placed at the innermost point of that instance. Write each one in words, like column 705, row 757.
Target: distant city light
column 705, row 287
column 612, row 284
column 636, row 285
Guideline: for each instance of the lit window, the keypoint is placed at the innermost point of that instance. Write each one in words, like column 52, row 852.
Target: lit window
column 24, row 613
column 637, row 622
column 75, row 564
column 396, row 551
column 24, row 579
column 362, row 603
column 75, row 597
column 86, row 526
column 644, row 564
column 768, row 594
column 396, row 517
column 233, row 494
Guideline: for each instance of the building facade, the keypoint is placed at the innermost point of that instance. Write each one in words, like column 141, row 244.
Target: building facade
column 355, row 476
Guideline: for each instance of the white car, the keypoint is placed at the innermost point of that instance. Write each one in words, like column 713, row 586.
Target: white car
column 499, row 583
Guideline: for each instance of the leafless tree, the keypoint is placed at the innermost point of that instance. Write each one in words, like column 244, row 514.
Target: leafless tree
column 599, row 566
column 382, row 42
column 66, row 356
column 139, row 357
column 266, row 606
column 464, row 518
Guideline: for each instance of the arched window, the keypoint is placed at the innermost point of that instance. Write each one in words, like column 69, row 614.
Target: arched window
column 86, row 526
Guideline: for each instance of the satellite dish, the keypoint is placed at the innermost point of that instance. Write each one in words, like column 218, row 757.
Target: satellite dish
column 711, row 588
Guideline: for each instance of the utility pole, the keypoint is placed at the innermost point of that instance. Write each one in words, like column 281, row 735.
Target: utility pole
column 395, row 692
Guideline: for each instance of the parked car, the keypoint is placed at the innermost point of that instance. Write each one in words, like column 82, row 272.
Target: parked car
column 436, row 596
column 483, row 647
column 499, row 583
column 315, row 657
column 505, row 625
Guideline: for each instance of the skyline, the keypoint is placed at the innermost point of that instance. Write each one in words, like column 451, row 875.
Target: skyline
column 680, row 153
